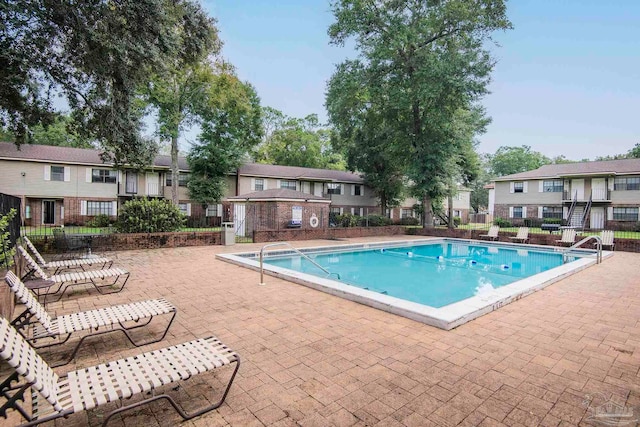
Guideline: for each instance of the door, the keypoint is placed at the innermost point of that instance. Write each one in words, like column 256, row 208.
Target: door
column 132, row 183
column 317, row 189
column 153, row 184
column 48, row 211
column 239, row 223
column 599, row 189
column 577, row 187
column 597, row 218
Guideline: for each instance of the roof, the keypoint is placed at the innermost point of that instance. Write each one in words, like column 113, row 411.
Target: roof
column 605, row 167
column 279, row 194
column 57, row 154
column 295, row 172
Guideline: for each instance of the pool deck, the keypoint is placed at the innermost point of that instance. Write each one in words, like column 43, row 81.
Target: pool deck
column 313, row 359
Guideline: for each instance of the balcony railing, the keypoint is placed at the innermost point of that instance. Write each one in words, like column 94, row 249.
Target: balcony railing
column 601, row 195
column 153, row 189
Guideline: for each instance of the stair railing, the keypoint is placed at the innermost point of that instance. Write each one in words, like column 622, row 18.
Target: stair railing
column 296, row 251
column 587, row 210
column 586, row 239
column 572, row 208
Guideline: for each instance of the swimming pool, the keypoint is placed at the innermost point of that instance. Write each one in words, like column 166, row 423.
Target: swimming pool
column 442, row 282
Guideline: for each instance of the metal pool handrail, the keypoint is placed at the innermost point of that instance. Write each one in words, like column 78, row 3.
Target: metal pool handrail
column 296, row 251
column 586, row 239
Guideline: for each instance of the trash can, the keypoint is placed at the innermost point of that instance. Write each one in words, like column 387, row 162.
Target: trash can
column 228, row 234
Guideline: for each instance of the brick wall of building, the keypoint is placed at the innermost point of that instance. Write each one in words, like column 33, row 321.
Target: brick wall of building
column 275, row 215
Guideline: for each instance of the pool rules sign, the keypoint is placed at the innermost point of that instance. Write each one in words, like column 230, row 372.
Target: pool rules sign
column 296, row 215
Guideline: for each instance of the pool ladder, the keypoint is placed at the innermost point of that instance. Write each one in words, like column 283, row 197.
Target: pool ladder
column 585, row 240
column 296, row 251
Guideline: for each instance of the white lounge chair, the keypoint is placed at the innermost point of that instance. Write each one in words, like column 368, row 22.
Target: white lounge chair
column 522, row 236
column 67, row 264
column 492, row 234
column 607, row 237
column 56, row 397
column 122, row 318
column 66, row 280
column 568, row 237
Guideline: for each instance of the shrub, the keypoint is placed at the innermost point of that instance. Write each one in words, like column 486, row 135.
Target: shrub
column 457, row 221
column 552, row 221
column 101, row 220
column 7, row 251
column 149, row 216
column 347, row 220
column 374, row 220
column 501, row 222
column 409, row 221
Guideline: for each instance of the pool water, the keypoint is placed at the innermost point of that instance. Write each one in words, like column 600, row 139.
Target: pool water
column 435, row 275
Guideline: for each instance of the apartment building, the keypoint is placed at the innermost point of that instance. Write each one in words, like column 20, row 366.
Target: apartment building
column 596, row 195
column 63, row 185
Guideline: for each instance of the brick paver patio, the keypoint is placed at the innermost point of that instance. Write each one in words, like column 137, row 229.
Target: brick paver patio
column 312, row 359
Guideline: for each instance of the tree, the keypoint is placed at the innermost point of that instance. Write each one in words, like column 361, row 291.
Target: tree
column 231, row 128
column 60, row 133
column 420, row 63
column 96, row 54
column 634, row 153
column 178, row 94
column 510, row 160
column 291, row 141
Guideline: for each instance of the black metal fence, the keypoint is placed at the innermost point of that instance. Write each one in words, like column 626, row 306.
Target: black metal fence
column 7, row 204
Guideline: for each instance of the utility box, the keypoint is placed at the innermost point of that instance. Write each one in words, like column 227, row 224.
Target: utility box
column 228, row 234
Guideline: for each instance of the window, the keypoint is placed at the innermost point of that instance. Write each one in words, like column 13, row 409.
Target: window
column 183, row 207
column 357, row 190
column 289, row 185
column 182, row 179
column 517, row 211
column 99, row 208
column 406, row 213
column 552, row 212
column 57, row 173
column 625, row 214
column 337, row 211
column 518, row 187
column 103, row 175
column 259, row 185
column 334, row 188
column 212, row 210
column 552, row 186
column 625, row 184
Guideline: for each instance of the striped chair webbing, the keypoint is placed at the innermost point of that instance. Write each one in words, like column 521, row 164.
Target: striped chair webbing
column 88, row 388
column 33, row 250
column 32, row 264
column 30, row 301
column 27, row 363
column 79, row 276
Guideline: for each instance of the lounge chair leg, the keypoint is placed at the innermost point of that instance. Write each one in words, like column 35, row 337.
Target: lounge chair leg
column 185, row 416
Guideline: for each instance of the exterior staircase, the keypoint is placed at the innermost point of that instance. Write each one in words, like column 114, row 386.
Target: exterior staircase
column 575, row 221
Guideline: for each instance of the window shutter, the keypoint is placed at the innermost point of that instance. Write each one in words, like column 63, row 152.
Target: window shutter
column 565, row 212
column 253, row 184
column 61, row 213
column 540, row 187
column 67, row 174
column 361, row 211
column 525, row 186
column 47, row 172
column 278, row 183
column 524, row 212
column 88, row 173
column 219, row 209
column 264, row 183
column 539, row 211
column 83, row 207
column 188, row 209
column 353, row 190
column 611, row 182
column 510, row 211
column 362, row 190
column 341, row 211
column 114, row 208
column 610, row 213
column 511, row 190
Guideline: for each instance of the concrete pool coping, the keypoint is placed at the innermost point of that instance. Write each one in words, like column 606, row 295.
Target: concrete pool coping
column 447, row 317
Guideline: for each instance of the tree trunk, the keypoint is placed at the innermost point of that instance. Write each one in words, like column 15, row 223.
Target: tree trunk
column 427, row 216
column 383, row 205
column 174, row 170
column 450, row 211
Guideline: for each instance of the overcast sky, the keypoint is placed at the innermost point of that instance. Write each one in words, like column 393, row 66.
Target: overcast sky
column 566, row 81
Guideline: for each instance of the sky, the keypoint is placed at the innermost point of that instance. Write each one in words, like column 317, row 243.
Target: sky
column 566, row 81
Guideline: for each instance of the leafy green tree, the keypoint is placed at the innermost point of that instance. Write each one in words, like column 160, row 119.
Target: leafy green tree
column 419, row 64
column 291, row 141
column 7, row 250
column 96, row 54
column 510, row 160
column 179, row 94
column 634, row 153
column 60, row 133
column 231, row 127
